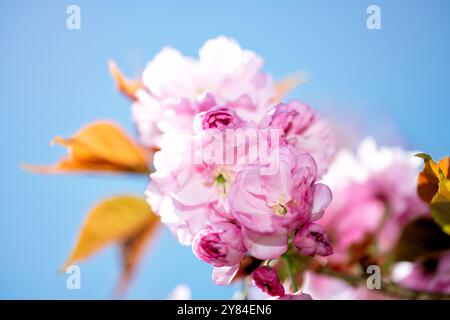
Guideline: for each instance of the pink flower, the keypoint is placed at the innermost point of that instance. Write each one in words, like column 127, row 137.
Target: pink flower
column 367, row 186
column 267, row 280
column 154, row 118
column 179, row 87
column 192, row 180
column 271, row 206
column 219, row 244
column 181, row 192
column 217, row 118
column 431, row 276
column 305, row 130
column 221, row 182
column 312, row 240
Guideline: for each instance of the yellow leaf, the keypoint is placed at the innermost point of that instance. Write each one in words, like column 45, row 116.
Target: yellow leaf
column 440, row 205
column 124, row 85
column 288, row 84
column 120, row 219
column 428, row 180
column 99, row 147
column 132, row 251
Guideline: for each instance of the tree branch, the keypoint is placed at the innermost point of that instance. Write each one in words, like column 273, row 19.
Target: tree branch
column 386, row 287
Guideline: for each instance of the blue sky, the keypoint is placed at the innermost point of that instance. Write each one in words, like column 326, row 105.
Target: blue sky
column 54, row 80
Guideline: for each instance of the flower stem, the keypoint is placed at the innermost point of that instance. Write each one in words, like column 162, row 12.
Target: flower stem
column 290, row 272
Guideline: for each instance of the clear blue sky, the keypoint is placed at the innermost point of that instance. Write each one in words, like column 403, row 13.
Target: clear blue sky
column 52, row 81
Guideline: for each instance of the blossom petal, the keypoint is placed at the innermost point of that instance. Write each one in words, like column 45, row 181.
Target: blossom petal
column 322, row 198
column 265, row 247
column 222, row 276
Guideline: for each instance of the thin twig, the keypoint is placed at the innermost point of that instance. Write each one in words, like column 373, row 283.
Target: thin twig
column 386, row 287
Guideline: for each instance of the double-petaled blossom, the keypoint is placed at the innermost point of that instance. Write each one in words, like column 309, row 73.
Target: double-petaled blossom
column 303, row 128
column 270, row 206
column 374, row 191
column 221, row 245
column 193, row 175
column 311, row 240
column 176, row 88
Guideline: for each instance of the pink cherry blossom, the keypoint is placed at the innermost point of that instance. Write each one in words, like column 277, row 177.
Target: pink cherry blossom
column 374, row 190
column 311, row 239
column 191, row 183
column 271, row 206
column 225, row 182
column 222, row 276
column 219, row 244
column 267, row 280
column 303, row 128
column 181, row 192
column 176, row 88
column 431, row 276
column 217, row 118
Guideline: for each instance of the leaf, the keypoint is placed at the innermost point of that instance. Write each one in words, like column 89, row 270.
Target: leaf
column 283, row 87
column 127, row 221
column 118, row 219
column 132, row 251
column 124, row 85
column 428, row 180
column 433, row 186
column 440, row 205
column 419, row 238
column 99, row 147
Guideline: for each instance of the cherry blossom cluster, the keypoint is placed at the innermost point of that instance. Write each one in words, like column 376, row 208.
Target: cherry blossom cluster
column 375, row 192
column 238, row 172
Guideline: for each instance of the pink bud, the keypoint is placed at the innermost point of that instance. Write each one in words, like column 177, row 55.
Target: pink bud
column 219, row 244
column 267, row 280
column 220, row 118
column 312, row 240
column 292, row 118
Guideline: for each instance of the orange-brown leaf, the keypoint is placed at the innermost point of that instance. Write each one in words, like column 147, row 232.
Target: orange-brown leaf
column 99, row 147
column 132, row 251
column 117, row 220
column 126, row 86
column 428, row 180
